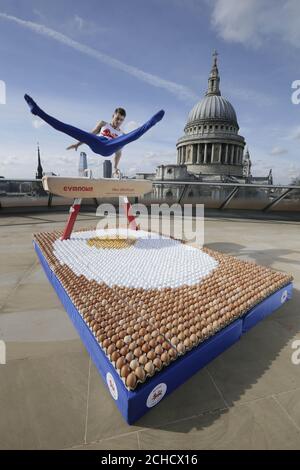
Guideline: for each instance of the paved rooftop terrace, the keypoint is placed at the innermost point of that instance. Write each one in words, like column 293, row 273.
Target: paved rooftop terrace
column 52, row 396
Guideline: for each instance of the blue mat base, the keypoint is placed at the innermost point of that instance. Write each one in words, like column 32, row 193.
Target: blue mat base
column 134, row 404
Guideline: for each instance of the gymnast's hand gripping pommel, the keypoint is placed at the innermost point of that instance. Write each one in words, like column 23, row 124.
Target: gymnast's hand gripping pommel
column 98, row 144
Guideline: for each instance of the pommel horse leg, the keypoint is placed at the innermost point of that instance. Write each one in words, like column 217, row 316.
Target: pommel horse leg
column 74, row 210
column 128, row 211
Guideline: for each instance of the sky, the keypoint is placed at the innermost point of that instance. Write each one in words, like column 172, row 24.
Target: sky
column 81, row 60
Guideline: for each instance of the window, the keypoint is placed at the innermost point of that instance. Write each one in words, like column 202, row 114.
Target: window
column 204, row 127
column 169, row 171
column 216, row 127
column 169, row 194
column 222, row 127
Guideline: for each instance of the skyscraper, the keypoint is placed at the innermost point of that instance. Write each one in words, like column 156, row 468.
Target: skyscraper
column 107, row 169
column 82, row 164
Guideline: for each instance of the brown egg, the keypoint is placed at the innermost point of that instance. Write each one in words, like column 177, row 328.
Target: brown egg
column 114, row 338
column 181, row 336
column 111, row 348
column 172, row 353
column 138, row 352
column 180, row 348
column 142, row 331
column 146, row 348
column 115, row 356
column 193, row 338
column 140, row 373
column 143, row 359
column 120, row 362
column 158, row 350
column 101, row 337
column 135, row 336
column 152, row 343
column 120, row 344
column 132, row 346
column 160, row 339
column 157, row 363
column 124, row 350
column 131, row 380
column 106, row 343
column 129, row 356
column 151, row 355
column 165, row 357
column 149, row 368
column 174, row 341
column 125, row 370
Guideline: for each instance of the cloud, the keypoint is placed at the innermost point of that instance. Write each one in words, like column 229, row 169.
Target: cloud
column 130, row 126
column 180, row 91
column 278, row 151
column 249, row 95
column 294, row 134
column 82, row 26
column 37, row 123
column 9, row 160
column 252, row 22
column 39, row 14
column 162, row 157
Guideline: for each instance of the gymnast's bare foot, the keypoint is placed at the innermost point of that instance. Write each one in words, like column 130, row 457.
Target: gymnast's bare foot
column 32, row 104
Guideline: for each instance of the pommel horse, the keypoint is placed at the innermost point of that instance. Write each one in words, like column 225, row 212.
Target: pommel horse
column 87, row 187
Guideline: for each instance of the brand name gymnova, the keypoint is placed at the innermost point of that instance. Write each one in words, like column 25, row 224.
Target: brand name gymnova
column 78, row 188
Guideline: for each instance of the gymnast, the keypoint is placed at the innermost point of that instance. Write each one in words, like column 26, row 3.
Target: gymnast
column 110, row 139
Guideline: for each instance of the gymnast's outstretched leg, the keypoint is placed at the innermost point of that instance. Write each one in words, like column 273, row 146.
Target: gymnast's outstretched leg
column 125, row 139
column 78, row 134
column 98, row 144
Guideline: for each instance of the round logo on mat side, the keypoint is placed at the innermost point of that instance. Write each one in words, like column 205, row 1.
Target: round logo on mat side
column 112, row 386
column 284, row 296
column 156, row 395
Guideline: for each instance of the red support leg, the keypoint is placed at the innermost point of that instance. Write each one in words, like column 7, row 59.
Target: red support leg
column 74, row 210
column 131, row 218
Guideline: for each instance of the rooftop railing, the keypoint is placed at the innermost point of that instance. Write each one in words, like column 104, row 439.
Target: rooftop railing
column 27, row 193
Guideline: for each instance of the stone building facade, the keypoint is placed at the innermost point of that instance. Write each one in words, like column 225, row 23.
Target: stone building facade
column 211, row 148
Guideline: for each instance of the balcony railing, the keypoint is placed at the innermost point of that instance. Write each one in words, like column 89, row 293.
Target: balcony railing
column 21, row 193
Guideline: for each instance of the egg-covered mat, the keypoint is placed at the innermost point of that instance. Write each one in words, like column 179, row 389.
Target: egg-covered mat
column 149, row 298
